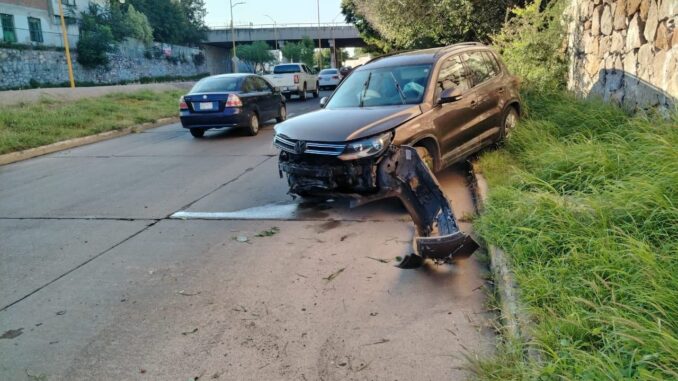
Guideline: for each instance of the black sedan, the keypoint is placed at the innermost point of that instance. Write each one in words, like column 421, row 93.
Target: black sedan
column 230, row 100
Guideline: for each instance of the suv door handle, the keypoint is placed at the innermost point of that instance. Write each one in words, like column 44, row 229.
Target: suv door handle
column 474, row 103
column 500, row 90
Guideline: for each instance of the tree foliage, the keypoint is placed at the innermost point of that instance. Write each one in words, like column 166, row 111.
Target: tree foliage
column 96, row 38
column 256, row 54
column 139, row 26
column 175, row 22
column 301, row 51
column 410, row 24
column 532, row 44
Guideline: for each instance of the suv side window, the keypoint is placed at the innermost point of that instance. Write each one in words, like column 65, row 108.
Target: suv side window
column 452, row 73
column 305, row 69
column 492, row 63
column 477, row 64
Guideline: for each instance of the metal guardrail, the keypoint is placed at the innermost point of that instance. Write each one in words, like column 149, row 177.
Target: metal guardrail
column 284, row 25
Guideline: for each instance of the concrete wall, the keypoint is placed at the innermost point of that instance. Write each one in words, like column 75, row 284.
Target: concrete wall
column 625, row 51
column 19, row 67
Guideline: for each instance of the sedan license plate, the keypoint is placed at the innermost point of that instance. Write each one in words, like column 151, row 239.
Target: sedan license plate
column 206, row 106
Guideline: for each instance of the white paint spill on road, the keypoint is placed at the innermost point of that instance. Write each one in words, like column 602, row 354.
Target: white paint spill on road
column 265, row 212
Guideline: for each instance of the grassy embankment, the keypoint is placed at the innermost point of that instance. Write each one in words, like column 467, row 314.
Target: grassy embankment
column 584, row 198
column 50, row 121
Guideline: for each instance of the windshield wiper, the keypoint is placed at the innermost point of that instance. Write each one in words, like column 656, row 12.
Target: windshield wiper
column 400, row 91
column 365, row 86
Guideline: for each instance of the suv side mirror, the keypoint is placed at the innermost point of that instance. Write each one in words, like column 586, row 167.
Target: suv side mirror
column 450, row 95
column 323, row 102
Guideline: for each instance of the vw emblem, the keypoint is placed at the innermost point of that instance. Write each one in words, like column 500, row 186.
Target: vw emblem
column 204, row 97
column 300, row 147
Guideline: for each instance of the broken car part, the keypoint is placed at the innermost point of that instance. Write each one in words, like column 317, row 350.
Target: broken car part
column 397, row 172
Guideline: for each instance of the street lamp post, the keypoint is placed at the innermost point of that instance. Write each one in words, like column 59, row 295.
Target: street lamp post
column 235, row 63
column 320, row 48
column 275, row 31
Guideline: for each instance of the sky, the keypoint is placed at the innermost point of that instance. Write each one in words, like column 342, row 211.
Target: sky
column 282, row 11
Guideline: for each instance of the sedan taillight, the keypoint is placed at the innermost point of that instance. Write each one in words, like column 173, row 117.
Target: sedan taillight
column 182, row 104
column 296, row 78
column 233, row 101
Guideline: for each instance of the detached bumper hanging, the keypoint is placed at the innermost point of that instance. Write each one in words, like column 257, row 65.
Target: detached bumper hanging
column 402, row 174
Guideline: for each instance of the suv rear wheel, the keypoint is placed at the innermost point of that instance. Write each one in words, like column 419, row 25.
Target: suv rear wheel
column 197, row 132
column 509, row 122
column 316, row 92
column 303, row 93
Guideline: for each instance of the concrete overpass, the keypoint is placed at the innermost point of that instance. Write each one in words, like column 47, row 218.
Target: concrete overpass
column 219, row 39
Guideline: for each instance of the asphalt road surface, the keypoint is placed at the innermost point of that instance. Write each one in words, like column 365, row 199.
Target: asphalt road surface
column 98, row 281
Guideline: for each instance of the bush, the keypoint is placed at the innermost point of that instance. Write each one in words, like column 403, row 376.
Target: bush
column 198, row 59
column 139, row 26
column 532, row 44
column 94, row 45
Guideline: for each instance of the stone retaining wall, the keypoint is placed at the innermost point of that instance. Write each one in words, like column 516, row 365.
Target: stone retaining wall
column 19, row 67
column 625, row 51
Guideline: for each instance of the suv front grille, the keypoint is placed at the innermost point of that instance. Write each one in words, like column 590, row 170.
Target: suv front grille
column 299, row 147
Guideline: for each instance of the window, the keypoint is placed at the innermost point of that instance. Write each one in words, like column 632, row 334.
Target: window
column 478, row 66
column 248, row 85
column 285, row 69
column 452, row 74
column 8, row 31
column 215, row 85
column 261, row 84
column 70, row 3
column 67, row 19
column 491, row 62
column 35, row 28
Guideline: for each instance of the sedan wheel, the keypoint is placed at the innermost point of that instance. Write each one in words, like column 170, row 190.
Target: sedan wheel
column 253, row 127
column 282, row 114
column 197, row 132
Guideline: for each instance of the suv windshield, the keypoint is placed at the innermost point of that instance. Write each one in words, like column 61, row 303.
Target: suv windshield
column 215, row 85
column 384, row 86
column 284, row 69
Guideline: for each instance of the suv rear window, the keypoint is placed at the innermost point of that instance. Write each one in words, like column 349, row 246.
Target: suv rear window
column 284, row 69
column 481, row 66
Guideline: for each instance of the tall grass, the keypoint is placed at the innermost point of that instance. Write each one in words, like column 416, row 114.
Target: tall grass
column 49, row 121
column 585, row 200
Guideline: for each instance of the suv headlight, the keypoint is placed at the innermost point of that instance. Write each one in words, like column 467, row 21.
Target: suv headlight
column 372, row 146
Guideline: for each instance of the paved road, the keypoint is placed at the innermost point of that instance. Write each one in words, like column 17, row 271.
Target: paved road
column 97, row 282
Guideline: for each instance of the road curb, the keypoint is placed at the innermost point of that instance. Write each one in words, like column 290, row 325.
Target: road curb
column 30, row 153
column 516, row 321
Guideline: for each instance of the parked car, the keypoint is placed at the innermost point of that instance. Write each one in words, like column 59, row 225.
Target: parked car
column 329, row 78
column 447, row 103
column 231, row 100
column 294, row 79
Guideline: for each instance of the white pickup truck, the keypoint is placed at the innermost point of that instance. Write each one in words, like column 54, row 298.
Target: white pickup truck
column 294, row 78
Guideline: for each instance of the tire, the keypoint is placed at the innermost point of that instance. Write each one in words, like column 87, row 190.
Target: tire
column 253, row 124
column 197, row 132
column 316, row 92
column 302, row 95
column 509, row 121
column 282, row 114
column 426, row 157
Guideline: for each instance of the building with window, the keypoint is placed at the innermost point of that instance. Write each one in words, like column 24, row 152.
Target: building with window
column 37, row 22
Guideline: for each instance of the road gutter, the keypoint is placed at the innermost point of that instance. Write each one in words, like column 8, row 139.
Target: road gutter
column 30, row 153
column 516, row 320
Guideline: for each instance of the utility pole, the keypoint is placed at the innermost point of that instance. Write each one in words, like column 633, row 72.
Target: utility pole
column 275, row 31
column 320, row 48
column 234, row 58
column 64, row 32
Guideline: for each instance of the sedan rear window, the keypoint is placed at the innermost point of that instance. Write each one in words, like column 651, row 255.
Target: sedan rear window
column 284, row 69
column 216, row 85
column 328, row 71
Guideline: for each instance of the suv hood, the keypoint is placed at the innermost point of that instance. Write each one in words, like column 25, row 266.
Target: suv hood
column 345, row 124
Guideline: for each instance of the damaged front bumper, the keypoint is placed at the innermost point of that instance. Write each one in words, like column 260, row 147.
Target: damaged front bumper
column 399, row 172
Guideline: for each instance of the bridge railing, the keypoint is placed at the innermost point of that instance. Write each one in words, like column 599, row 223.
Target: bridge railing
column 283, row 25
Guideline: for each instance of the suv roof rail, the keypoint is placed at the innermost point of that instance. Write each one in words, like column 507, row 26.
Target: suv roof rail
column 457, row 45
column 387, row 55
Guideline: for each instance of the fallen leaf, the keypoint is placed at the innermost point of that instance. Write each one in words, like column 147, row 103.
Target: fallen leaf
column 334, row 274
column 270, row 232
column 379, row 259
column 190, row 332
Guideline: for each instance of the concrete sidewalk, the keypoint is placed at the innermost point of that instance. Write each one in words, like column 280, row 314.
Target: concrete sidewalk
column 13, row 97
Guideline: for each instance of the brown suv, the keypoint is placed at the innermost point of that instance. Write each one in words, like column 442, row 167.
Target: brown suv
column 446, row 102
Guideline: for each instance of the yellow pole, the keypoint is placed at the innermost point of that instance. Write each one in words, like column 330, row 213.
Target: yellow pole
column 64, row 32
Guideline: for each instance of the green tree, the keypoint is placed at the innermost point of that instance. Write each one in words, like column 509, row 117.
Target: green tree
column 256, row 54
column 532, row 44
column 175, row 22
column 409, row 24
column 301, row 51
column 139, row 27
column 96, row 38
